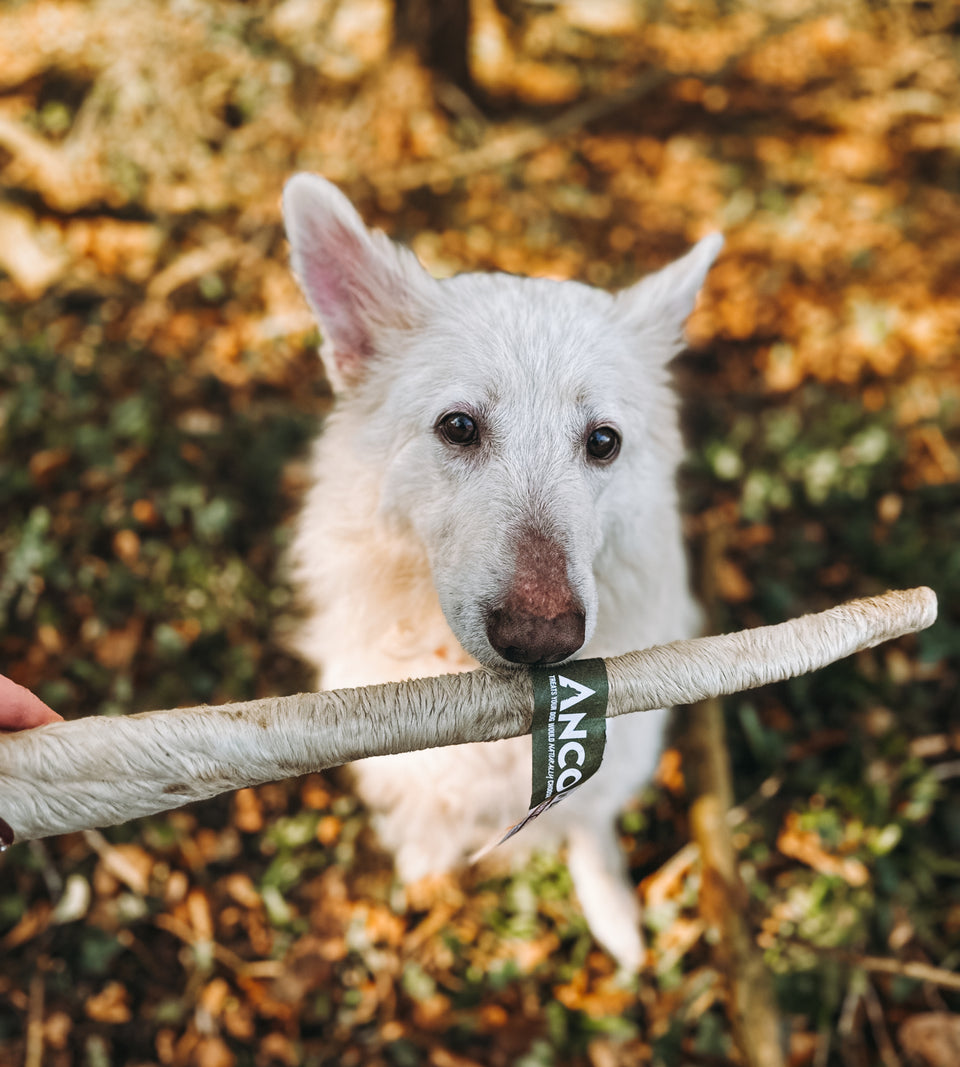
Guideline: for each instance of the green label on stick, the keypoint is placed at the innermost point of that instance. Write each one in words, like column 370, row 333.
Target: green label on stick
column 569, row 732
column 569, row 726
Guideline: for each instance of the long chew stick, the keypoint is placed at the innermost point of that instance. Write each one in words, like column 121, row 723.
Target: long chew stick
column 100, row 771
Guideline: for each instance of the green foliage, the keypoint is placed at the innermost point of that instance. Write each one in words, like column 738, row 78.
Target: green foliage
column 814, row 472
column 814, row 451
column 144, row 506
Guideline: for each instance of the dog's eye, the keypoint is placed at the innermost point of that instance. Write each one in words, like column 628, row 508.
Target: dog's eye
column 603, row 444
column 458, row 428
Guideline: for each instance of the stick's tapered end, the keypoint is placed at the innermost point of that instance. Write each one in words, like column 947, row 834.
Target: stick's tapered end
column 920, row 608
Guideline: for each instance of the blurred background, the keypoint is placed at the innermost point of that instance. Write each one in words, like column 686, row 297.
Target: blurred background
column 159, row 387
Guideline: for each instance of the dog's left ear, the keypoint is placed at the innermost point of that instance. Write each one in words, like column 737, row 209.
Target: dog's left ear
column 359, row 284
column 660, row 304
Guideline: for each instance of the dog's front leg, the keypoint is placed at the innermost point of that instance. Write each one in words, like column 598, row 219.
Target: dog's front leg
column 608, row 899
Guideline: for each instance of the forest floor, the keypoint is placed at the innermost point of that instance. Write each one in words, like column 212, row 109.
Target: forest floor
column 158, row 390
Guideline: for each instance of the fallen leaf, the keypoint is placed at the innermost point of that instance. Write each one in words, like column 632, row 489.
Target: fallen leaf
column 932, row 1038
column 109, row 1005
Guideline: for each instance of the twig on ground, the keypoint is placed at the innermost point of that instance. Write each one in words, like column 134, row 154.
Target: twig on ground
column 850, row 1038
column 508, row 147
column 751, row 1006
column 753, row 1014
column 874, row 1010
column 51, row 171
column 657, row 885
column 33, row 1056
column 248, row 968
column 913, row 969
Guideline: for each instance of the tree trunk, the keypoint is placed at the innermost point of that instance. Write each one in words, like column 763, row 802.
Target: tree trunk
column 439, row 32
column 751, row 1005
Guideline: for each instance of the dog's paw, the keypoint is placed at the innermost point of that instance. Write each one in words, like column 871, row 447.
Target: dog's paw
column 416, row 863
column 620, row 935
column 609, row 901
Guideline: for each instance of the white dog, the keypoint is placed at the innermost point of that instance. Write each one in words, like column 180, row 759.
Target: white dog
column 496, row 484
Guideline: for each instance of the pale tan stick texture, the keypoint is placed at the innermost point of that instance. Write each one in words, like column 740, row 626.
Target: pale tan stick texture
column 100, row 771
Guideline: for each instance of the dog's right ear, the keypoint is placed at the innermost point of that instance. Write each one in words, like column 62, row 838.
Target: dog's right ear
column 659, row 304
column 357, row 281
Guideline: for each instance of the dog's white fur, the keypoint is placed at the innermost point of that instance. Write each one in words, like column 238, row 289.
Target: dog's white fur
column 406, row 541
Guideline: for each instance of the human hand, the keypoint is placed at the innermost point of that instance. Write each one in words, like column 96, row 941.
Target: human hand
column 20, row 709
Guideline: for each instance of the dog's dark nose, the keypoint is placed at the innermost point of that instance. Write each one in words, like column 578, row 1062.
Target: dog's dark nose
column 540, row 618
column 524, row 638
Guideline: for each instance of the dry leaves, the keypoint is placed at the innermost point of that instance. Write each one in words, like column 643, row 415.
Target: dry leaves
column 144, row 147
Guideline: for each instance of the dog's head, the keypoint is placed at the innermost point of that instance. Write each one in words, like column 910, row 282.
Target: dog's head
column 517, row 421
